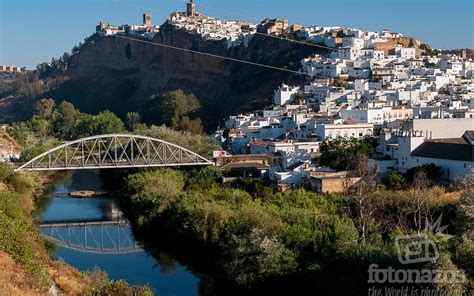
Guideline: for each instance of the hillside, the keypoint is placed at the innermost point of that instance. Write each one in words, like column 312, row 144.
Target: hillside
column 120, row 75
column 8, row 145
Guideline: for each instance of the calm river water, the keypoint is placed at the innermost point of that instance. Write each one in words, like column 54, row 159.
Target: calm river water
column 138, row 268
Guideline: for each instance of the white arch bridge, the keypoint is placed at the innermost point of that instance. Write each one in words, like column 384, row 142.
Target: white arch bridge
column 114, row 151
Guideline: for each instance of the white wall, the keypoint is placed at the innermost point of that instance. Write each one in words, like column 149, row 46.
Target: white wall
column 442, row 128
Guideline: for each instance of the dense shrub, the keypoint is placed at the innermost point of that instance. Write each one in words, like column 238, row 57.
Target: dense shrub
column 100, row 285
column 19, row 236
column 256, row 235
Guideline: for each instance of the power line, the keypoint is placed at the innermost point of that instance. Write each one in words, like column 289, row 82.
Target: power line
column 217, row 56
column 296, row 41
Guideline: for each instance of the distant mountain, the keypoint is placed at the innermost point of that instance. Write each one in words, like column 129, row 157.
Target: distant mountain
column 121, row 75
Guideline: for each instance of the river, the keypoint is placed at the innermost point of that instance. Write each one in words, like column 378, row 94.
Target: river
column 126, row 261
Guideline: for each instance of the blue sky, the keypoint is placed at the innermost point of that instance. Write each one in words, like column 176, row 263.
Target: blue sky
column 33, row 31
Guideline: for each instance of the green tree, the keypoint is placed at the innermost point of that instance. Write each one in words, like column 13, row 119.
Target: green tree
column 30, row 153
column 64, row 120
column 189, row 125
column 432, row 172
column 40, row 127
column 465, row 208
column 394, row 181
column 133, row 119
column 340, row 153
column 203, row 178
column 435, row 52
column 44, row 108
column 453, row 287
column 42, row 68
column 105, row 122
column 176, row 104
column 167, row 184
column 5, row 172
column 175, row 109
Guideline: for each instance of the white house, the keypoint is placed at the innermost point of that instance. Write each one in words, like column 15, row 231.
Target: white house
column 367, row 115
column 405, row 53
column 412, row 149
column 440, row 128
column 284, row 94
column 359, row 72
column 324, row 131
column 455, row 156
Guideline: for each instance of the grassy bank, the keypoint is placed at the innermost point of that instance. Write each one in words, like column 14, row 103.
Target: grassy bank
column 26, row 266
column 246, row 235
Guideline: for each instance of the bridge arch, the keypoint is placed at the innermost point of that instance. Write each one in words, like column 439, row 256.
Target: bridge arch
column 98, row 237
column 114, row 151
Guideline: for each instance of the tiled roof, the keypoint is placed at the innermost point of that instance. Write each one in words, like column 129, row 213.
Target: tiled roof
column 470, row 134
column 451, row 149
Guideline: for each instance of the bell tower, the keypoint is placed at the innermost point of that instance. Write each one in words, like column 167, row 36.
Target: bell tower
column 191, row 8
column 147, row 20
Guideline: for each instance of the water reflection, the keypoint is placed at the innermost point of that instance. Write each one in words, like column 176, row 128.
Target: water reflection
column 86, row 242
column 100, row 237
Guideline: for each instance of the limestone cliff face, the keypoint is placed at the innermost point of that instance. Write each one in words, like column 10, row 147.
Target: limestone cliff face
column 117, row 74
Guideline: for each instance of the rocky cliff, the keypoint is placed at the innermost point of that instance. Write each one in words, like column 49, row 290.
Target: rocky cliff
column 120, row 75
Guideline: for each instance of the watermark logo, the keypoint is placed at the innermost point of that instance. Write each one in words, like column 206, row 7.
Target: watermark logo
column 416, row 248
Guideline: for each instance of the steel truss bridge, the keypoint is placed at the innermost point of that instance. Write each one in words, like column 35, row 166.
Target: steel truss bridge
column 114, row 151
column 99, row 237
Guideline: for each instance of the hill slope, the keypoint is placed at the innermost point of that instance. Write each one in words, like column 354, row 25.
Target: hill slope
column 120, row 75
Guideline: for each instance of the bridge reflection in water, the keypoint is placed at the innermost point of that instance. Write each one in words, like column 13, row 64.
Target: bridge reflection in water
column 100, row 237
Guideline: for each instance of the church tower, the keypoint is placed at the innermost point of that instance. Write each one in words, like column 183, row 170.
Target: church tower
column 191, row 8
column 147, row 20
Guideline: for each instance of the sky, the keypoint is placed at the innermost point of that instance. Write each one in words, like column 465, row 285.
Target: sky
column 34, row 31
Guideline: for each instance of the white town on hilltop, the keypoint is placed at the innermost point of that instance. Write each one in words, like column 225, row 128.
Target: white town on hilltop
column 188, row 154
column 417, row 101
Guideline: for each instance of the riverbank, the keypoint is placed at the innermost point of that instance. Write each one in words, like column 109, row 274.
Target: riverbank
column 256, row 241
column 110, row 244
column 30, row 270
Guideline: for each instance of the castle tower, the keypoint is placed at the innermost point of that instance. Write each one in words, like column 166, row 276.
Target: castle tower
column 147, row 20
column 191, row 8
